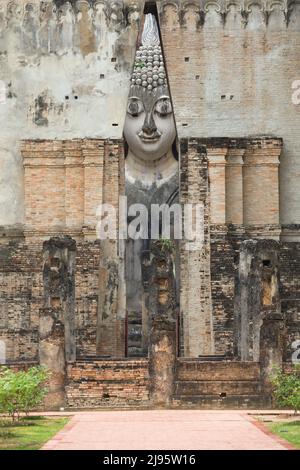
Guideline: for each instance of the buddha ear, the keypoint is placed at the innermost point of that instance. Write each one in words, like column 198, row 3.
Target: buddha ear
column 126, row 147
column 175, row 147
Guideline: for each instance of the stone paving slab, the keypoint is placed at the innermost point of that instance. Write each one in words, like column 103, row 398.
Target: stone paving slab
column 164, row 430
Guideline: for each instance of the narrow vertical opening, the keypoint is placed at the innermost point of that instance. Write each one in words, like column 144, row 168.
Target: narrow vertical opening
column 151, row 172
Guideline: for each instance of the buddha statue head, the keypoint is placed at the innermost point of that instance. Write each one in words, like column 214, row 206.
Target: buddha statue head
column 149, row 127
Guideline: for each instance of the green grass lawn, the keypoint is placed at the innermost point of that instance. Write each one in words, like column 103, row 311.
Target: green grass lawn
column 290, row 431
column 29, row 433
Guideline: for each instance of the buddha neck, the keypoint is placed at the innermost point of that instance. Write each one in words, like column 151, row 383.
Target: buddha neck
column 150, row 172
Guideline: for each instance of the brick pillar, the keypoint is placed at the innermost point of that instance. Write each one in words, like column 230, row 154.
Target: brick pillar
column 162, row 341
column 234, row 185
column 93, row 154
column 195, row 285
column 261, row 183
column 112, row 295
column 74, row 184
column 216, row 158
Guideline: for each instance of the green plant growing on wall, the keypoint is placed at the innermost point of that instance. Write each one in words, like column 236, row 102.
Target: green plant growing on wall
column 23, row 391
column 166, row 244
column 140, row 64
column 286, row 388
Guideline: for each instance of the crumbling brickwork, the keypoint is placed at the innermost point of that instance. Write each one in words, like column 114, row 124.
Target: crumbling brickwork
column 289, row 293
column 22, row 298
column 119, row 383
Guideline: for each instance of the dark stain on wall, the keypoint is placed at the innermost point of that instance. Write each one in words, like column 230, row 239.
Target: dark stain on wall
column 41, row 108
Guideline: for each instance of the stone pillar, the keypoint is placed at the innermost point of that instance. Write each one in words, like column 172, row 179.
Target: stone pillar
column 52, row 356
column 234, row 185
column 112, row 295
column 257, row 302
column 93, row 161
column 162, row 341
column 195, row 286
column 57, row 319
column 74, row 184
column 261, row 185
column 272, row 346
column 216, row 158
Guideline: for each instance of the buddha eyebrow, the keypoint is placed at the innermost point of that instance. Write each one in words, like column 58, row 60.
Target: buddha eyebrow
column 162, row 98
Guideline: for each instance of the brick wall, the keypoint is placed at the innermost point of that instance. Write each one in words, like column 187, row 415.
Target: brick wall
column 223, row 267
column 195, row 282
column 86, row 293
column 107, row 383
column 22, row 298
column 289, row 291
column 65, row 184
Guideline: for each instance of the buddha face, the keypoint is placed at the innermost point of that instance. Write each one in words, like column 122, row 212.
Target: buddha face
column 149, row 127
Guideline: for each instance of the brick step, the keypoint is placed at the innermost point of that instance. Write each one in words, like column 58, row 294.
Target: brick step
column 195, row 370
column 215, row 402
column 217, row 387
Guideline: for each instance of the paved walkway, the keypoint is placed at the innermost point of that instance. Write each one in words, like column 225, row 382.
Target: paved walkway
column 163, row 430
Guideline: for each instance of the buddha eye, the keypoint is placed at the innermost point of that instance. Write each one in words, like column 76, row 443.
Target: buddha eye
column 164, row 107
column 135, row 107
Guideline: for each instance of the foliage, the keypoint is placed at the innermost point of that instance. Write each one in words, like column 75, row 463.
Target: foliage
column 21, row 391
column 289, row 431
column 286, row 389
column 166, row 244
column 29, row 433
column 140, row 64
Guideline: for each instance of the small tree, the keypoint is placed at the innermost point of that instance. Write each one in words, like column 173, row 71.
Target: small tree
column 286, row 389
column 21, row 391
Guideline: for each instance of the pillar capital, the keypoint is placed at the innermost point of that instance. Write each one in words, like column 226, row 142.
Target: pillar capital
column 217, row 155
column 263, row 151
column 235, row 156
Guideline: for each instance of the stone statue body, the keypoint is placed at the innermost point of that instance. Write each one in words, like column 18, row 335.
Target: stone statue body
column 151, row 167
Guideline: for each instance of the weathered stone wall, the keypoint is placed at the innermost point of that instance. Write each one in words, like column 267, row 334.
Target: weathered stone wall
column 66, row 68
column 289, row 292
column 22, row 298
column 22, row 295
column 225, row 384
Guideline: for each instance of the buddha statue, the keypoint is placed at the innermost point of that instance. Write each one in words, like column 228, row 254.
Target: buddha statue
column 151, row 168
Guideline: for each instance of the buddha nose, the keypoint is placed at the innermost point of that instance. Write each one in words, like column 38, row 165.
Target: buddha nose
column 149, row 126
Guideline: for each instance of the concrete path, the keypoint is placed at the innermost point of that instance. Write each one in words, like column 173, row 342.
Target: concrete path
column 164, row 430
